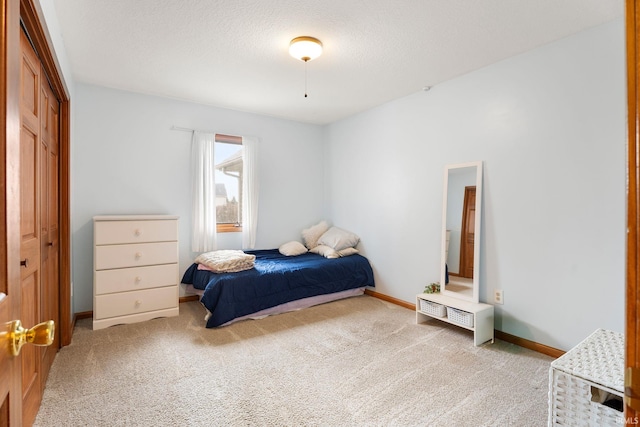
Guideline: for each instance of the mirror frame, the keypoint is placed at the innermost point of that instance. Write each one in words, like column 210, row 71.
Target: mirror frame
column 475, row 297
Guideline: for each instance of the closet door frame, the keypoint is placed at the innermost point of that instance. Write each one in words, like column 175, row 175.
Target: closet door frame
column 632, row 332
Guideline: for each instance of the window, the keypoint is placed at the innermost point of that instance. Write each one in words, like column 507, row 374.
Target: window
column 228, row 154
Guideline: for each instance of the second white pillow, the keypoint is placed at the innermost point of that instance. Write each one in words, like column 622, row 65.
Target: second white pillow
column 339, row 239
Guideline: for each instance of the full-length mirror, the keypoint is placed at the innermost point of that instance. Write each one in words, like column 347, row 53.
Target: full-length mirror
column 461, row 211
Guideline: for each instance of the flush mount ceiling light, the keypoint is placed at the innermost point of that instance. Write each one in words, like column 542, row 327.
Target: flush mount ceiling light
column 305, row 48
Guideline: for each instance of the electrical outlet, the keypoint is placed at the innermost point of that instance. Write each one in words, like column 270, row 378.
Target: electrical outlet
column 498, row 296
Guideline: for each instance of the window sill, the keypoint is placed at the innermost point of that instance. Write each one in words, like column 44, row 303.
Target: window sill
column 228, row 228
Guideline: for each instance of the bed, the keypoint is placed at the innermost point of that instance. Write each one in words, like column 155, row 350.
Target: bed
column 277, row 284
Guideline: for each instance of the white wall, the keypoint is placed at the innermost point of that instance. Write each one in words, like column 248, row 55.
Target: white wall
column 550, row 126
column 126, row 160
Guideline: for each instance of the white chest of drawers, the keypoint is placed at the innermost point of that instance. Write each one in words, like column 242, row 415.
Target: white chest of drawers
column 135, row 268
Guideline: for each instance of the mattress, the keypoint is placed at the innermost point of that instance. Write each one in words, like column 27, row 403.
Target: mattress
column 275, row 280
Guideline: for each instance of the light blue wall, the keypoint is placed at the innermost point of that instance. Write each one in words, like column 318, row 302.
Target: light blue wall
column 550, row 126
column 127, row 160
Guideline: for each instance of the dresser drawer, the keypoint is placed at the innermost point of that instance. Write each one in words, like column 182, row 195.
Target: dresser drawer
column 119, row 256
column 118, row 232
column 131, row 279
column 134, row 302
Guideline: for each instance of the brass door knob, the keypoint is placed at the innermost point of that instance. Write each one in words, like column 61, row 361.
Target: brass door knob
column 41, row 334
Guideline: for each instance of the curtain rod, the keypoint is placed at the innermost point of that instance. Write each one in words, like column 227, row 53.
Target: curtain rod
column 219, row 137
column 174, row 127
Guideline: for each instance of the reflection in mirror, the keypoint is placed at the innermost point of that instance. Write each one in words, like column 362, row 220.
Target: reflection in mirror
column 459, row 276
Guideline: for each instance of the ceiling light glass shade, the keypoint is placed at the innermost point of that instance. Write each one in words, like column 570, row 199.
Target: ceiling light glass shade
column 305, row 48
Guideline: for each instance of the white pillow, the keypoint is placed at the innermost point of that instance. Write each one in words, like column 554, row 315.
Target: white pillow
column 311, row 235
column 347, row 251
column 338, row 239
column 325, row 251
column 292, row 248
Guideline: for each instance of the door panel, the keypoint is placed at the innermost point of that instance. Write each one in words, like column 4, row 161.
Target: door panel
column 4, row 412
column 29, row 228
column 28, row 355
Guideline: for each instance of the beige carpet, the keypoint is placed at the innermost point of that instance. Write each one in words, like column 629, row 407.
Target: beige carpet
column 355, row 362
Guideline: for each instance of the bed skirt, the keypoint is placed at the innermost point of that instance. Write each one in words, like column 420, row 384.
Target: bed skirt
column 288, row 306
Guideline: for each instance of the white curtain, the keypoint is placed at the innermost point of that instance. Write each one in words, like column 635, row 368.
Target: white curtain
column 203, row 224
column 249, row 192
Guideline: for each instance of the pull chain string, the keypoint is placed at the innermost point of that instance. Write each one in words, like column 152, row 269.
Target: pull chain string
column 305, row 78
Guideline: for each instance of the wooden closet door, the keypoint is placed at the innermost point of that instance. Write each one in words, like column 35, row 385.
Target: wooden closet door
column 10, row 304
column 49, row 217
column 30, row 224
column 39, row 222
column 22, row 293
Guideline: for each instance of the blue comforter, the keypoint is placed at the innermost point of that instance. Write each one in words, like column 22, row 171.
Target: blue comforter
column 276, row 279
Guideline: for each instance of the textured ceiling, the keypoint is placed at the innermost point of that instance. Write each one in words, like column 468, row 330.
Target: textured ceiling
column 234, row 53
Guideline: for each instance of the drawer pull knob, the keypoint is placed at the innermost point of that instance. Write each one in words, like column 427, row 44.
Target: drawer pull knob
column 25, row 262
column 138, row 255
column 138, row 279
column 138, row 303
column 138, row 232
